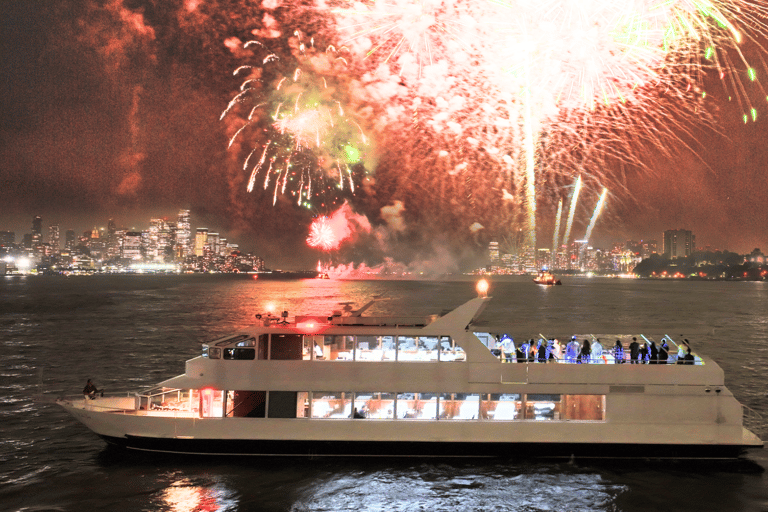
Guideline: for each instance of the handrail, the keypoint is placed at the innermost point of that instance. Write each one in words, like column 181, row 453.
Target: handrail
column 753, row 420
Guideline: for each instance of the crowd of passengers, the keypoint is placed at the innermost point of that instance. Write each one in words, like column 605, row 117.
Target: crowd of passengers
column 553, row 350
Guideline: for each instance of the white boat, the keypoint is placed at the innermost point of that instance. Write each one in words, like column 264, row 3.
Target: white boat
column 356, row 385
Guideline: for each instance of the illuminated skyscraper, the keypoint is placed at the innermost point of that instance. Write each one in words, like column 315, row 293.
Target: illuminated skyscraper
column 183, row 235
column 214, row 243
column 54, row 239
column 201, row 240
column 131, row 248
column 493, row 252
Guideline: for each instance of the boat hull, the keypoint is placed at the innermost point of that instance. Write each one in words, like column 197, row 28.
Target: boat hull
column 404, row 449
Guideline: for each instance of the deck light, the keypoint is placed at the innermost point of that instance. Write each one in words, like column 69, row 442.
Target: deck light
column 482, row 288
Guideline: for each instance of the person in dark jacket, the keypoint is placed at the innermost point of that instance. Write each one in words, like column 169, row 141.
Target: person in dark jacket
column 89, row 391
column 643, row 355
column 663, row 352
column 634, row 351
column 653, row 352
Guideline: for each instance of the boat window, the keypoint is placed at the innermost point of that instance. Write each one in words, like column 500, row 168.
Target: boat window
column 285, row 346
column 497, row 406
column 282, row 404
column 239, row 353
column 389, row 348
column 338, row 348
column 247, row 404
column 306, row 348
column 331, row 404
column 211, row 403
column 416, row 406
column 248, row 342
column 375, row 405
column 417, row 348
column 302, row 404
column 584, row 407
column 542, row 407
column 449, row 351
column 369, row 348
column 459, row 406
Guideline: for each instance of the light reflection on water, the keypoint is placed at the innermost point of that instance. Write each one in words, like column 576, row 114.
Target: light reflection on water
column 132, row 332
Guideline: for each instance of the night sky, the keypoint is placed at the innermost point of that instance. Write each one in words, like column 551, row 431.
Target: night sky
column 111, row 109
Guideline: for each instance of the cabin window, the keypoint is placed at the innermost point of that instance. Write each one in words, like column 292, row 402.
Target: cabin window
column 416, row 406
column 542, row 407
column 311, row 348
column 388, row 348
column 497, row 406
column 282, row 404
column 302, row 404
column 247, row 404
column 378, row 406
column 239, row 353
column 331, row 404
column 584, row 407
column 286, row 346
column 211, row 403
column 369, row 348
column 459, row 406
column 338, row 348
column 449, row 351
column 249, row 342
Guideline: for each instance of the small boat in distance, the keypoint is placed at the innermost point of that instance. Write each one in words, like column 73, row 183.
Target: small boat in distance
column 323, row 275
column 546, row 278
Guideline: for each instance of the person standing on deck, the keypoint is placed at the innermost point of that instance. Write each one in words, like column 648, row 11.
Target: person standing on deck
column 634, row 351
column 653, row 352
column 572, row 351
column 663, row 351
column 643, row 356
column 597, row 351
column 586, row 352
column 524, row 349
column 542, row 351
column 618, row 352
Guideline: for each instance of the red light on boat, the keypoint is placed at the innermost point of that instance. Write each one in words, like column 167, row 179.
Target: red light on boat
column 308, row 327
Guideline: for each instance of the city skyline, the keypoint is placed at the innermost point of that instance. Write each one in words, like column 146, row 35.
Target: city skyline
column 123, row 121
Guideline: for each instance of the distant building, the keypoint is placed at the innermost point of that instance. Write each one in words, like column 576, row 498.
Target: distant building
column 201, row 240
column 493, row 253
column 7, row 238
column 131, row 248
column 214, row 243
column 54, row 239
column 679, row 243
column 183, row 235
column 69, row 240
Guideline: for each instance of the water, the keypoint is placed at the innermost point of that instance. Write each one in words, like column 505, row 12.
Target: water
column 128, row 332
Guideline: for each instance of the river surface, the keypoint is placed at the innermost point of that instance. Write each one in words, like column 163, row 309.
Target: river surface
column 130, row 332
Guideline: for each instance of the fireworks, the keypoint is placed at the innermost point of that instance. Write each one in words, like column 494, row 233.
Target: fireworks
column 523, row 95
column 598, row 208
column 321, row 235
column 305, row 144
column 327, row 233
